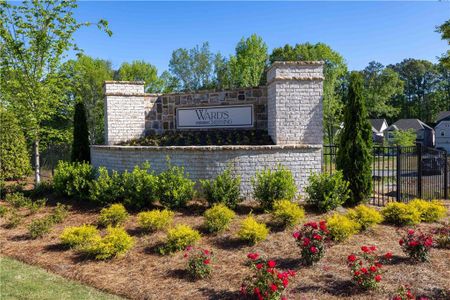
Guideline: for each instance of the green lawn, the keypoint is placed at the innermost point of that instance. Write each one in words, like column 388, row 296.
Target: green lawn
column 22, row 281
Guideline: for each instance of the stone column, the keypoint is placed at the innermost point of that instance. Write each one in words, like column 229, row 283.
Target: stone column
column 294, row 104
column 124, row 111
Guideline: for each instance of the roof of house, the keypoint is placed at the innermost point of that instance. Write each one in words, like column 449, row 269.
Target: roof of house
column 442, row 115
column 405, row 124
column 377, row 123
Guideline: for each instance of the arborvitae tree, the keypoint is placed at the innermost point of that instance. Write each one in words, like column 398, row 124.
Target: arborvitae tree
column 80, row 146
column 14, row 158
column 354, row 153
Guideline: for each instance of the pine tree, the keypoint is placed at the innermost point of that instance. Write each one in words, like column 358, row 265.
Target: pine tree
column 14, row 158
column 80, row 146
column 354, row 153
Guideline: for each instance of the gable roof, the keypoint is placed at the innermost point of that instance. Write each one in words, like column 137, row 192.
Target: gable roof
column 377, row 123
column 405, row 124
column 442, row 115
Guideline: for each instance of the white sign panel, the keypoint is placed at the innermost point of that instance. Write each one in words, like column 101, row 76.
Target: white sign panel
column 228, row 116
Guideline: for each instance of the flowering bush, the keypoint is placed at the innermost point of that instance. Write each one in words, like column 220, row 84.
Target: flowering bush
column 287, row 213
column 341, row 227
column 311, row 240
column 252, row 231
column 366, row 267
column 442, row 236
column 404, row 293
column 267, row 282
column 416, row 244
column 199, row 262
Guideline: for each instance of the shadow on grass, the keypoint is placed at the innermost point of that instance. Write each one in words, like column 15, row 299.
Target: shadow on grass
column 398, row 260
column 212, row 294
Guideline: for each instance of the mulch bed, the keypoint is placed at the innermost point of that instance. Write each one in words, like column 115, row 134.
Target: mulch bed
column 144, row 274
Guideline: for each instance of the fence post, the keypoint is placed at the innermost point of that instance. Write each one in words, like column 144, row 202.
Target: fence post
column 445, row 176
column 398, row 171
column 419, row 170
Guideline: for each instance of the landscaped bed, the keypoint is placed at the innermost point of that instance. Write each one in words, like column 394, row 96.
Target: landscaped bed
column 144, row 274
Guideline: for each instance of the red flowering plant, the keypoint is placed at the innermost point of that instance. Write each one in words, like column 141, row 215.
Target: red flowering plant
column 311, row 240
column 366, row 267
column 267, row 282
column 416, row 244
column 404, row 293
column 199, row 262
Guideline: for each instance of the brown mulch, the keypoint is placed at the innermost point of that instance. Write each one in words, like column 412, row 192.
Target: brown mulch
column 144, row 274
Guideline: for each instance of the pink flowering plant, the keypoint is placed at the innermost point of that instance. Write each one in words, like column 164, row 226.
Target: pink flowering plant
column 365, row 267
column 416, row 244
column 404, row 293
column 267, row 283
column 311, row 240
column 199, row 262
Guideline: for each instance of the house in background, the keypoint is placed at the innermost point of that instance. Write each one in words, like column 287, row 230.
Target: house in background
column 378, row 127
column 442, row 131
column 424, row 133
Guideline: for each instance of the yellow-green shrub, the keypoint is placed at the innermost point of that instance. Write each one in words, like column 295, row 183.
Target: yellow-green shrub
column 179, row 238
column 287, row 213
column 252, row 231
column 218, row 217
column 113, row 215
column 365, row 216
column 341, row 227
column 114, row 244
column 39, row 227
column 401, row 214
column 156, row 219
column 430, row 211
column 79, row 236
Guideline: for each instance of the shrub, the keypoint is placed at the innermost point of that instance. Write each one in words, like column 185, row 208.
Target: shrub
column 365, row 267
column 416, row 244
column 155, row 220
column 106, row 188
column 59, row 213
column 430, row 211
column 18, row 200
column 218, row 217
column 114, row 215
column 3, row 211
column 38, row 228
column 42, row 189
column 442, row 236
column 175, row 188
column 80, row 144
column 36, row 205
column 224, row 189
column 341, row 227
column 311, row 240
column 401, row 214
column 270, row 186
column 13, row 220
column 266, row 282
column 326, row 192
column 287, row 213
column 115, row 243
column 252, row 231
column 179, row 238
column 139, row 187
column 404, row 292
column 79, row 236
column 73, row 179
column 199, row 262
column 14, row 158
column 365, row 216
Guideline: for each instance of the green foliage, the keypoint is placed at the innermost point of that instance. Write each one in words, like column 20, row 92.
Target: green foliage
column 155, row 220
column 444, row 30
column 115, row 243
column 223, row 189
column 270, row 186
column 287, row 213
column 139, row 187
column 73, row 179
column 14, row 159
column 80, row 146
column 327, row 191
column 251, row 231
column 18, row 200
column 354, row 155
column 42, row 189
column 179, row 237
column 59, row 214
column 365, row 216
column 36, row 205
column 139, row 70
column 40, row 227
column 400, row 214
column 430, row 211
column 218, row 218
column 13, row 219
column 106, row 188
column 79, row 237
column 175, row 188
column 341, row 227
column 199, row 262
column 3, row 211
column 114, row 215
column 403, row 138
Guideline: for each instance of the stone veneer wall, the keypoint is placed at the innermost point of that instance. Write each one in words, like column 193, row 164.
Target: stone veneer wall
column 206, row 162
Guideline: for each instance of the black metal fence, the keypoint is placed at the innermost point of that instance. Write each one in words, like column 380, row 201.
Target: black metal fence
column 402, row 173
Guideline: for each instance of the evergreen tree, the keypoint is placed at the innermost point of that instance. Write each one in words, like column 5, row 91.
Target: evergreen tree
column 354, row 154
column 80, row 147
column 14, row 159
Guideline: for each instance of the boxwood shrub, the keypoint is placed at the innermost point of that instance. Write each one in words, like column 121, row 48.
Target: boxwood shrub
column 175, row 188
column 223, row 189
column 327, row 191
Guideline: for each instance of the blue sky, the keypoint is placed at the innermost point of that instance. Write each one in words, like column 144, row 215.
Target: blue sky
column 361, row 31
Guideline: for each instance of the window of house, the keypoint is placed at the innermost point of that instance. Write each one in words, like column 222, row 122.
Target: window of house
column 442, row 133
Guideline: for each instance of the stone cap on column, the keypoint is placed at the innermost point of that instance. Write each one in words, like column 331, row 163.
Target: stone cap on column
column 123, row 88
column 295, row 70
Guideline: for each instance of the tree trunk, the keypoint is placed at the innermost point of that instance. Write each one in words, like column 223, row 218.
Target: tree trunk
column 37, row 160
